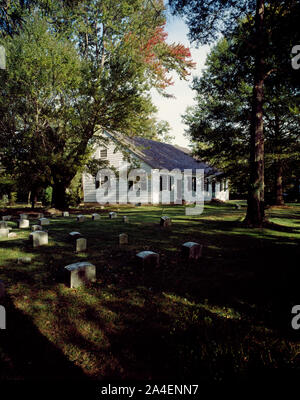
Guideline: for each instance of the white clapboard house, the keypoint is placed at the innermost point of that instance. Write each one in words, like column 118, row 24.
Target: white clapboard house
column 149, row 172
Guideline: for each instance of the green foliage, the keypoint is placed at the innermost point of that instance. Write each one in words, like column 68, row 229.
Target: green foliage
column 47, row 196
column 219, row 123
column 83, row 67
column 12, row 198
column 74, row 193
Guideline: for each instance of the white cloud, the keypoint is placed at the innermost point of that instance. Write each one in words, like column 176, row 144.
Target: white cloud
column 172, row 109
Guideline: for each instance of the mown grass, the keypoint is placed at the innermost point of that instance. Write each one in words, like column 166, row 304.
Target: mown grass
column 226, row 315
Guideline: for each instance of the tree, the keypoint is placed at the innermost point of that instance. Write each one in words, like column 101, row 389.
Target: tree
column 219, row 124
column 207, row 19
column 118, row 53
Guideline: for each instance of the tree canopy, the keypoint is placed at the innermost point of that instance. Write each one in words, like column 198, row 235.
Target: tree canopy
column 74, row 72
column 270, row 24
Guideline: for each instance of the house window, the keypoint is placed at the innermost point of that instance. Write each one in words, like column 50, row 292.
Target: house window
column 194, row 184
column 103, row 153
column 130, row 184
column 163, row 182
column 206, row 185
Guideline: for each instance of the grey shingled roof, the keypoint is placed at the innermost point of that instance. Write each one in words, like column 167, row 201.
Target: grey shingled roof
column 162, row 155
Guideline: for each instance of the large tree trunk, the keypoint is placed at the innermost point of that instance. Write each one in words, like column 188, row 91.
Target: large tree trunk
column 33, row 198
column 255, row 211
column 278, row 185
column 59, row 195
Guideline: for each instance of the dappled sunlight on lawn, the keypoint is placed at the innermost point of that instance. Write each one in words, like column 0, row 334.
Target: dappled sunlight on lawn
column 206, row 319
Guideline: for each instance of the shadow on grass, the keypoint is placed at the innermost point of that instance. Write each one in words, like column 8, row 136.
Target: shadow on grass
column 26, row 354
column 225, row 315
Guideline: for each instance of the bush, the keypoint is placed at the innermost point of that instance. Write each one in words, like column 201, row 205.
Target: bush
column 74, row 192
column 47, row 196
column 12, row 198
column 4, row 200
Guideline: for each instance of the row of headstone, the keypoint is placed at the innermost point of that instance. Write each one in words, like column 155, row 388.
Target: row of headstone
column 82, row 273
column 189, row 250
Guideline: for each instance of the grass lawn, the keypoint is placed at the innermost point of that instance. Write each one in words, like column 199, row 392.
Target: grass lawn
column 226, row 315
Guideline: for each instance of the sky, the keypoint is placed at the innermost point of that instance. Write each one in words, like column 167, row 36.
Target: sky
column 171, row 109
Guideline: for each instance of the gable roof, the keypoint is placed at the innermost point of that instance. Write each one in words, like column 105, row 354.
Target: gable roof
column 163, row 155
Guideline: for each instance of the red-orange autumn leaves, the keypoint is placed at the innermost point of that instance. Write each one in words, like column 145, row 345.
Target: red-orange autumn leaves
column 162, row 57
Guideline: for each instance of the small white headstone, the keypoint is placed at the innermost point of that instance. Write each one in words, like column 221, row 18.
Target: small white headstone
column 74, row 235
column 23, row 216
column 80, row 218
column 3, row 225
column 192, row 250
column 4, row 233
column 44, row 221
column 24, row 260
column 65, row 214
column 6, row 218
column 12, row 235
column 148, row 258
column 39, row 238
column 81, row 245
column 112, row 214
column 95, row 217
column 125, row 219
column 23, row 223
column 238, row 206
column 40, row 215
column 81, row 273
column 165, row 221
column 123, row 238
column 36, row 228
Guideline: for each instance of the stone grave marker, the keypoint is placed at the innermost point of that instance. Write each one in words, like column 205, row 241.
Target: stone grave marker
column 39, row 238
column 125, row 219
column 23, row 216
column 80, row 218
column 165, row 221
column 148, row 258
column 81, row 273
column 65, row 214
column 3, row 225
column 12, row 235
column 95, row 217
column 44, row 221
column 24, row 260
column 4, row 233
column 40, row 215
column 192, row 250
column 74, row 235
column 81, row 245
column 123, row 238
column 23, row 223
column 36, row 228
column 112, row 214
column 6, row 218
